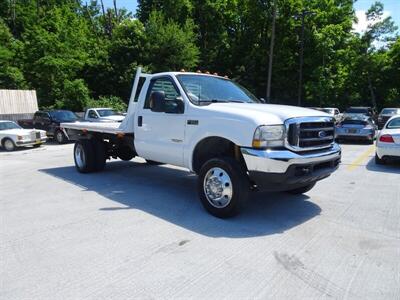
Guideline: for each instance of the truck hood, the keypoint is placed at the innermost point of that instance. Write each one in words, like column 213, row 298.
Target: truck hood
column 265, row 114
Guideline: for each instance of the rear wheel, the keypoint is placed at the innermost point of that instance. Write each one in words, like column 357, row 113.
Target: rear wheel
column 9, row 145
column 302, row 190
column 223, row 187
column 379, row 161
column 84, row 156
column 100, row 154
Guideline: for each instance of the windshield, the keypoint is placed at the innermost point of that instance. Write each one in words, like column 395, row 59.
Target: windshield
column 63, row 115
column 357, row 111
column 9, row 125
column 390, row 111
column 394, row 124
column 214, row 89
column 106, row 112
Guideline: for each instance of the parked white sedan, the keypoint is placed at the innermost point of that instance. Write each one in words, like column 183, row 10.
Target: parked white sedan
column 388, row 141
column 12, row 136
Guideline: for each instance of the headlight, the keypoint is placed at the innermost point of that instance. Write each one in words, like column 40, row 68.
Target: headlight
column 265, row 136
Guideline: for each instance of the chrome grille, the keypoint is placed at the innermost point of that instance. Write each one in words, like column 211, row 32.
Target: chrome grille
column 310, row 133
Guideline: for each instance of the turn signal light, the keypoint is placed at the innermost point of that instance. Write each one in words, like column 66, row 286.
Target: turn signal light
column 386, row 138
column 259, row 144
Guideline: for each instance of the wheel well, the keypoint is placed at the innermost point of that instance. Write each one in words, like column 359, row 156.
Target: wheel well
column 211, row 147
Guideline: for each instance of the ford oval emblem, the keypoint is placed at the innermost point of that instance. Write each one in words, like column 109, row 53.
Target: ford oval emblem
column 322, row 134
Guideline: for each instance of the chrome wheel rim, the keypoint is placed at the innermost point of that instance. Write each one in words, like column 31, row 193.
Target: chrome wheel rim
column 8, row 145
column 79, row 156
column 218, row 187
column 59, row 137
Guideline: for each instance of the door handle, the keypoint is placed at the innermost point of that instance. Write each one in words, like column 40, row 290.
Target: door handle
column 140, row 121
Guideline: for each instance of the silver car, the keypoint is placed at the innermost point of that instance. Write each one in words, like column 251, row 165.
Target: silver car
column 356, row 127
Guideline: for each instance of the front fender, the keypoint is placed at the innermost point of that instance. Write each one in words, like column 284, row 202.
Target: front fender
column 237, row 131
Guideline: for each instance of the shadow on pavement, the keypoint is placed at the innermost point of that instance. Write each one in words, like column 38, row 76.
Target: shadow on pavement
column 392, row 166
column 171, row 194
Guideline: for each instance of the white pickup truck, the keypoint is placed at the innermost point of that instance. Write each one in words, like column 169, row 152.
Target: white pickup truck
column 217, row 130
column 102, row 115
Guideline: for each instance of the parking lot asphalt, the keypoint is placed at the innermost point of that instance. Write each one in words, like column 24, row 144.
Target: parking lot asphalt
column 139, row 231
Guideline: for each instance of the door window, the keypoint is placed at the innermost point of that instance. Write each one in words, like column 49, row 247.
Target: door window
column 92, row 114
column 162, row 85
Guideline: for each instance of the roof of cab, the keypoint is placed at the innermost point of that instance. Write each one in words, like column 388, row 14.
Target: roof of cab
column 186, row 73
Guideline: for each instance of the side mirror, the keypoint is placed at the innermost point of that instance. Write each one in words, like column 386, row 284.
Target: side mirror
column 263, row 100
column 176, row 106
column 157, row 101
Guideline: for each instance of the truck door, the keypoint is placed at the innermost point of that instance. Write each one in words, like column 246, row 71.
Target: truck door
column 160, row 136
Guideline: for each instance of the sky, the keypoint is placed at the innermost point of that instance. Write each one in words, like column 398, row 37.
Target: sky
column 391, row 7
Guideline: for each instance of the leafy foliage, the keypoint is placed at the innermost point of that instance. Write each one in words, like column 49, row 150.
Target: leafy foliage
column 78, row 54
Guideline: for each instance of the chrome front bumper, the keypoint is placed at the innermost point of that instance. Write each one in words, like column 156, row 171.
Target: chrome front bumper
column 279, row 161
column 32, row 142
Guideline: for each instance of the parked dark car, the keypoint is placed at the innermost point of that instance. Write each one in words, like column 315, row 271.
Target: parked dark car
column 50, row 122
column 386, row 114
column 356, row 127
column 366, row 111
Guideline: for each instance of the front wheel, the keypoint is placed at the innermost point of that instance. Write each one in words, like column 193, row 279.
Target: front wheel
column 302, row 190
column 223, row 187
column 9, row 145
column 60, row 137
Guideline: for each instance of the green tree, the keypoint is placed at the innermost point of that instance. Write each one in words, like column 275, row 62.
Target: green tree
column 56, row 51
column 11, row 76
column 169, row 46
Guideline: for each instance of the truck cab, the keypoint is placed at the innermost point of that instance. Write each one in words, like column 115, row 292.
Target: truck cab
column 218, row 130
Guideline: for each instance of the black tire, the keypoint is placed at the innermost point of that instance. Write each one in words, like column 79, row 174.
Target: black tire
column 240, row 186
column 125, row 153
column 153, row 163
column 100, row 156
column 8, row 145
column 302, row 190
column 60, row 137
column 379, row 161
column 86, row 163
